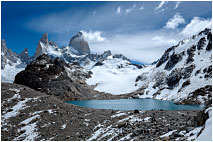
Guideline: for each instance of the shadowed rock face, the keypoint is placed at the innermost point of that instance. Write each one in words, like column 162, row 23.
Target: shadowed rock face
column 78, row 43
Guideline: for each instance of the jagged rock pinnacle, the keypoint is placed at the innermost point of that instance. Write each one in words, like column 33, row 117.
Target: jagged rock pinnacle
column 44, row 38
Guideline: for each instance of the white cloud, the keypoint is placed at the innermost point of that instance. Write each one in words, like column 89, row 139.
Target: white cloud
column 118, row 11
column 141, row 8
column 142, row 47
column 174, row 22
column 177, row 4
column 196, row 25
column 163, row 39
column 128, row 10
column 161, row 5
column 93, row 36
column 157, row 38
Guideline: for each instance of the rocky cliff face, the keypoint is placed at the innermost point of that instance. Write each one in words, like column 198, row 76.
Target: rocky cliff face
column 182, row 70
column 11, row 63
column 55, row 77
column 79, row 44
column 7, row 55
column 45, row 46
column 24, row 56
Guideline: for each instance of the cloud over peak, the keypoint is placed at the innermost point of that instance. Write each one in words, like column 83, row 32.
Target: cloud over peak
column 196, row 25
column 175, row 21
column 93, row 36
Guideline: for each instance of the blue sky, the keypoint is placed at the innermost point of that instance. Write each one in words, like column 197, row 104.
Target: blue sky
column 139, row 30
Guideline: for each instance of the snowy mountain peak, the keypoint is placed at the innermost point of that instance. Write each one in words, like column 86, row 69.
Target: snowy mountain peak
column 177, row 74
column 79, row 44
column 45, row 46
column 11, row 63
column 24, row 54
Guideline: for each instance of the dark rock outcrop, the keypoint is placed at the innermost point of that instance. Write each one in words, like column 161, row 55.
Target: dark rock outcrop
column 120, row 56
column 173, row 78
column 173, row 60
column 208, row 72
column 165, row 57
column 186, row 72
column 201, row 43
column 205, row 92
column 55, row 77
column 209, row 37
column 190, row 53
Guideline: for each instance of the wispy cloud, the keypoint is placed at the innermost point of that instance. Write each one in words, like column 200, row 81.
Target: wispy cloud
column 128, row 10
column 175, row 21
column 177, row 4
column 161, row 5
column 196, row 25
column 118, row 11
column 163, row 39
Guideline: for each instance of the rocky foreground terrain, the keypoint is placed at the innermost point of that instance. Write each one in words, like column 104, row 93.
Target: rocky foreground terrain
column 27, row 114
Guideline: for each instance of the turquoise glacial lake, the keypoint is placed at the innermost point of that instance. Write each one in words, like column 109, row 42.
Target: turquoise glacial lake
column 132, row 104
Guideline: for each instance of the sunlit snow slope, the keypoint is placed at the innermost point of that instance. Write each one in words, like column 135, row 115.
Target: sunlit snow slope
column 116, row 76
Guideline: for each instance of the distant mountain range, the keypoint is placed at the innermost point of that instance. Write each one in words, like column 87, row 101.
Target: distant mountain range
column 77, row 51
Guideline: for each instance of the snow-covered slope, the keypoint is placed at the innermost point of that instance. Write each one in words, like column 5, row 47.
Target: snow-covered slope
column 181, row 72
column 11, row 63
column 9, row 72
column 114, row 75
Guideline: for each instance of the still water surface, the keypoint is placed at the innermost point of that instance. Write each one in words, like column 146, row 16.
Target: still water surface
column 132, row 104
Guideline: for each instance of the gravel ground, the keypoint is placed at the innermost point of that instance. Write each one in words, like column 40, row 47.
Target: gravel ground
column 27, row 114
